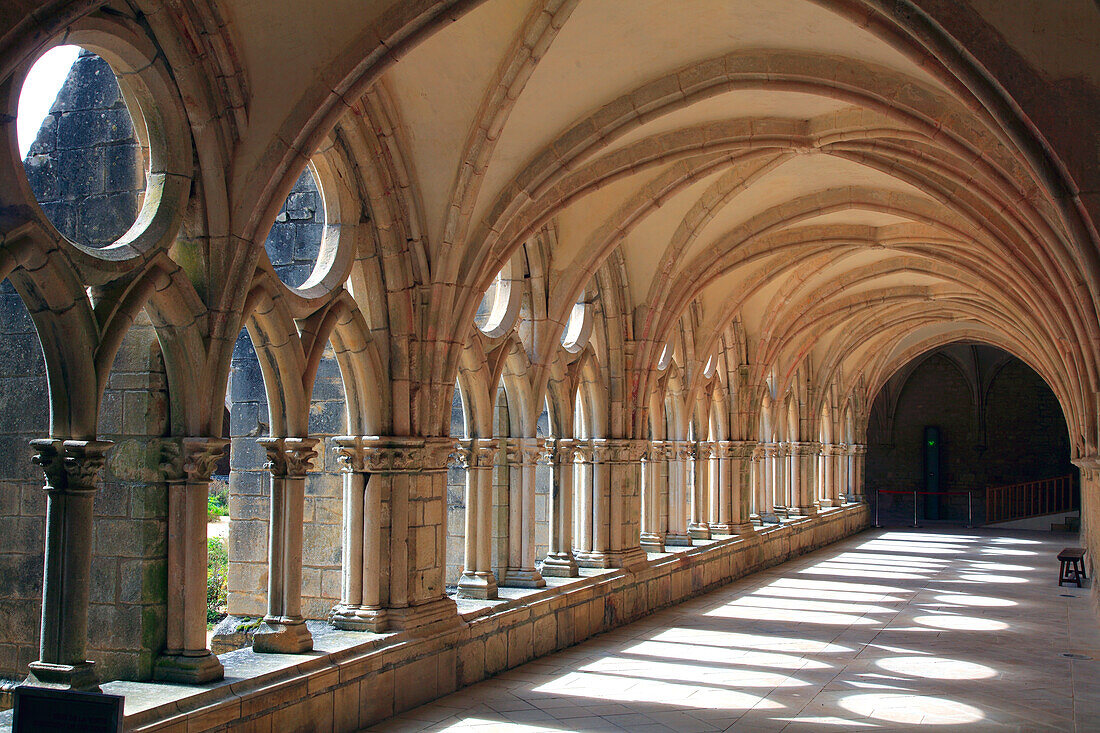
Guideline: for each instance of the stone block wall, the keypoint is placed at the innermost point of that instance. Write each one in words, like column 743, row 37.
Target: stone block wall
column 86, row 166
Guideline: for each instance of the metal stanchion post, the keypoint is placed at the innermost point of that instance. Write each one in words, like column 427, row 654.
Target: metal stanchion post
column 878, row 500
column 969, row 509
column 914, row 508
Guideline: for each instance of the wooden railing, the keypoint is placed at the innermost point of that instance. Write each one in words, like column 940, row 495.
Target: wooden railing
column 1030, row 499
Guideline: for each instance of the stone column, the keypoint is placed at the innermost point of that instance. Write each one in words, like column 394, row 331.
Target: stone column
column 759, row 480
column 284, row 630
column 595, row 510
column 583, row 475
column 477, row 581
column 856, row 461
column 408, row 474
column 842, row 472
column 624, row 460
column 559, row 561
column 772, row 477
column 187, row 464
column 655, row 475
column 738, row 459
column 523, row 454
column 680, row 453
column 700, row 493
column 803, row 456
column 71, row 468
column 830, row 459
column 721, row 490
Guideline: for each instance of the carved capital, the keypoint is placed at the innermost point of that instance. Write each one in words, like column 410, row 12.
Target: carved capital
column 738, row 449
column 289, row 457
column 656, row 451
column 857, row 449
column 703, row 451
column 563, row 451
column 524, row 451
column 71, row 465
column 805, row 449
column 624, row 450
column 190, row 459
column 477, row 453
column 393, row 454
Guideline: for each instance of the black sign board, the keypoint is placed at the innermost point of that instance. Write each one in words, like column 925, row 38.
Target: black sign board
column 42, row 710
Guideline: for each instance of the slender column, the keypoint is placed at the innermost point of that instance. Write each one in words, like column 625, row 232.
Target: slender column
column 771, row 481
column 284, row 630
column 360, row 607
column 679, row 455
column 803, row 456
column 700, row 492
column 582, row 509
column 721, row 489
column 408, row 484
column 559, row 561
column 596, row 515
column 758, row 482
column 624, row 461
column 856, row 462
column 830, row 455
column 478, row 581
column 739, row 455
column 71, row 468
column 842, row 472
column 187, row 464
column 654, row 475
column 523, row 454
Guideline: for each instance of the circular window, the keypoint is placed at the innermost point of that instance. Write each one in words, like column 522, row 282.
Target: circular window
column 499, row 306
column 84, row 147
column 294, row 242
column 578, row 327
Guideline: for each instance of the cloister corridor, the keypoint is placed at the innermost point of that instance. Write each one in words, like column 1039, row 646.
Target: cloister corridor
column 924, row 629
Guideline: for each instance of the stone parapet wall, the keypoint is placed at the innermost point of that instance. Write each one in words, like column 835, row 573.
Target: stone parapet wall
column 362, row 682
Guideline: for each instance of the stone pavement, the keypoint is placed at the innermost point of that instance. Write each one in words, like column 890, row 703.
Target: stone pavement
column 889, row 630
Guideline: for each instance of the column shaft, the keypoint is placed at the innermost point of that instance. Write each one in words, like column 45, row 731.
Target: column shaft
column 559, row 561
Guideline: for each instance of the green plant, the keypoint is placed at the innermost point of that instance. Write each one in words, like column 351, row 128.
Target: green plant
column 217, row 501
column 217, row 579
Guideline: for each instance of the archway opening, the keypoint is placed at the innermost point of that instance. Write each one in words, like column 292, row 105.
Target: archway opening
column 969, row 434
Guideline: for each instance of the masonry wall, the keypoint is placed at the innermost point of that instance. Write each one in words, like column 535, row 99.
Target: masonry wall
column 1021, row 436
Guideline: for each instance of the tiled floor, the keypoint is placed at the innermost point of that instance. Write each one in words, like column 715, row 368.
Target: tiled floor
column 890, row 630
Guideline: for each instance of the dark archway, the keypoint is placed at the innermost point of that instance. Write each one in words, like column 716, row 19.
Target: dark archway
column 968, row 418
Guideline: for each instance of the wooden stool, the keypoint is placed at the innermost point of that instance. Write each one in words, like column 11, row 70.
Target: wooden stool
column 1073, row 566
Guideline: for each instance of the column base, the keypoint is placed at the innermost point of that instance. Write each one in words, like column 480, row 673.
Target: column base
column 652, row 542
column 523, row 578
column 743, row 529
column 825, row 503
column 801, row 511
column 678, row 540
column 699, row 531
column 63, row 676
column 853, row 498
column 592, row 559
column 278, row 636
column 560, row 565
column 779, row 511
column 358, row 618
column 722, row 528
column 190, row 670
column 629, row 559
column 482, row 586
column 769, row 518
column 437, row 615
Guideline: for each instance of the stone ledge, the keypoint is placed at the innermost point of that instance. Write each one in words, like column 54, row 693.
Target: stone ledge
column 354, row 679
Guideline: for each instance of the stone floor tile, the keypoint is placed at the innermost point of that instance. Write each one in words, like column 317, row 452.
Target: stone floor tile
column 890, row 630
